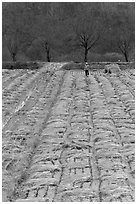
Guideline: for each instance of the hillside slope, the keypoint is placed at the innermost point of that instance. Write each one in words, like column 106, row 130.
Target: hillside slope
column 67, row 137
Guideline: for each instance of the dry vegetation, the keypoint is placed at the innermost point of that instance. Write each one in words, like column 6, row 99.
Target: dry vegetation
column 67, row 137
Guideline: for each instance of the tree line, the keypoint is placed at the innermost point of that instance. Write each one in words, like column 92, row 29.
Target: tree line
column 45, row 31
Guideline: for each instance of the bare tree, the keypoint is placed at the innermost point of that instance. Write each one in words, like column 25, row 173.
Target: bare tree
column 17, row 28
column 125, row 41
column 87, row 41
column 12, row 45
column 87, row 33
column 124, row 46
column 47, row 49
column 53, row 22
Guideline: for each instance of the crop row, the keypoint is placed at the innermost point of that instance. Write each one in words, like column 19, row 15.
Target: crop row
column 82, row 155
column 73, row 140
column 18, row 133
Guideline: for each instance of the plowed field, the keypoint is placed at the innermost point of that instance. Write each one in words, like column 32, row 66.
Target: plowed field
column 68, row 138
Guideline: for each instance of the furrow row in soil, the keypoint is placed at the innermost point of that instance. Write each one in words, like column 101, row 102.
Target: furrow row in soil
column 116, row 182
column 67, row 156
column 46, row 168
column 23, row 135
column 19, row 99
column 124, row 95
column 79, row 167
column 13, row 95
column 9, row 76
column 130, row 84
column 73, row 141
column 130, row 79
column 18, row 81
column 123, row 123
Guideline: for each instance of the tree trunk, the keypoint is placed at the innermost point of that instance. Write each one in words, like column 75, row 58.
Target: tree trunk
column 126, row 56
column 48, row 55
column 86, row 54
column 14, row 57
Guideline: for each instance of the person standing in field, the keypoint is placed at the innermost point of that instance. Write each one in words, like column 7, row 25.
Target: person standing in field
column 86, row 69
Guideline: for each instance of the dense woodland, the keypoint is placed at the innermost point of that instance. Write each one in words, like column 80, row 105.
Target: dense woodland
column 68, row 31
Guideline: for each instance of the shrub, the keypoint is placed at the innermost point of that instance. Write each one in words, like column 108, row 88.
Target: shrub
column 112, row 68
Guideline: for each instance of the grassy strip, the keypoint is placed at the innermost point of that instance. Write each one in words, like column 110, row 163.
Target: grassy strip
column 21, row 65
column 98, row 65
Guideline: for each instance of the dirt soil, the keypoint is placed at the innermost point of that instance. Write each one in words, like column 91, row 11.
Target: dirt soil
column 68, row 138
